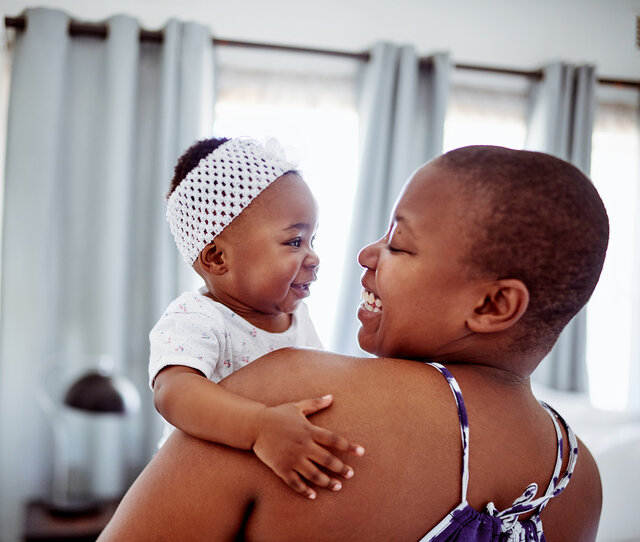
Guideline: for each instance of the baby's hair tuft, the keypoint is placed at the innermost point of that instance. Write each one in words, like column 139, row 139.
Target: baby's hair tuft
column 191, row 158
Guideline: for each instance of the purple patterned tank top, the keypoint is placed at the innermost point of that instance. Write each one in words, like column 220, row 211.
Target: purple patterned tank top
column 466, row 524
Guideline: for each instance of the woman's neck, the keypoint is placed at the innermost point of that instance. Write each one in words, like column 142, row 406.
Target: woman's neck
column 494, row 360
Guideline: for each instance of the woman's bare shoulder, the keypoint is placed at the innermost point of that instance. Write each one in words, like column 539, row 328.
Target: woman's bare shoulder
column 575, row 513
column 394, row 408
column 294, row 373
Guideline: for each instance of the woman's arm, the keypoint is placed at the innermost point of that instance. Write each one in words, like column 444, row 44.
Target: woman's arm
column 170, row 502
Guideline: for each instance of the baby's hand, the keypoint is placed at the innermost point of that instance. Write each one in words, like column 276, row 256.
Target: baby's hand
column 293, row 447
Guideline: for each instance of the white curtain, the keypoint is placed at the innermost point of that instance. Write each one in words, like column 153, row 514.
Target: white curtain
column 561, row 123
column 94, row 129
column 634, row 372
column 402, row 108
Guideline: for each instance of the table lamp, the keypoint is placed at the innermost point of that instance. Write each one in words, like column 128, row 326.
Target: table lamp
column 99, row 392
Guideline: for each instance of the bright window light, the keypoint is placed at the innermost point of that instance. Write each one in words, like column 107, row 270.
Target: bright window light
column 486, row 109
column 615, row 170
column 321, row 133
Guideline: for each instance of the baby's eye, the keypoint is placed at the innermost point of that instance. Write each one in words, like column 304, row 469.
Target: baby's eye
column 313, row 241
column 295, row 242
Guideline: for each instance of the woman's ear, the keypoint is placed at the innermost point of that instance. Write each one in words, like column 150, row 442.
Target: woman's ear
column 502, row 305
column 212, row 260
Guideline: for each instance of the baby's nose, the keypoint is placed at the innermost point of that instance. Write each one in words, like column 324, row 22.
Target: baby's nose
column 312, row 259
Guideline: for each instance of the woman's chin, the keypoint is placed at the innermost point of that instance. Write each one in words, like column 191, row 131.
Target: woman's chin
column 366, row 342
column 368, row 332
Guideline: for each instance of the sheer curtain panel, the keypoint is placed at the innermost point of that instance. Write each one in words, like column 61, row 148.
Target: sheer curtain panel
column 94, row 129
column 561, row 123
column 402, row 107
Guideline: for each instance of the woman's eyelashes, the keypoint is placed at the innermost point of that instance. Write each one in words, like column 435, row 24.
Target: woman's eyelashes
column 395, row 249
column 389, row 245
column 396, row 246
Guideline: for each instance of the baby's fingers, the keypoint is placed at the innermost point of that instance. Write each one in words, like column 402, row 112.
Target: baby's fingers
column 326, row 459
column 309, row 406
column 295, row 482
column 312, row 473
column 329, row 439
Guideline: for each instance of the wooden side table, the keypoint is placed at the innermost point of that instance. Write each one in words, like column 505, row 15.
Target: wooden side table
column 43, row 526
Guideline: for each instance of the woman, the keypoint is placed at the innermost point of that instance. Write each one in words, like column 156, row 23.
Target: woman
column 490, row 253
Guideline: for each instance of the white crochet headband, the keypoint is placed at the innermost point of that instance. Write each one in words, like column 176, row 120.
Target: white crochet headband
column 219, row 188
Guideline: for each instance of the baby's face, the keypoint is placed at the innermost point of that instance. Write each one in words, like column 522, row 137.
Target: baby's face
column 417, row 290
column 269, row 249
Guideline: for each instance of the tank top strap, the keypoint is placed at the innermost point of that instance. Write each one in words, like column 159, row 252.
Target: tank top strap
column 559, row 483
column 464, row 424
column 527, row 501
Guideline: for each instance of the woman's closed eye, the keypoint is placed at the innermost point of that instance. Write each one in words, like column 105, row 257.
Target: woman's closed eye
column 394, row 249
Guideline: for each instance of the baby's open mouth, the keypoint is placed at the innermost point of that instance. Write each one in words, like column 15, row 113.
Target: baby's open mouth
column 302, row 286
column 370, row 302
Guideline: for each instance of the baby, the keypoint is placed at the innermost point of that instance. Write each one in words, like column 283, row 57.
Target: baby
column 245, row 220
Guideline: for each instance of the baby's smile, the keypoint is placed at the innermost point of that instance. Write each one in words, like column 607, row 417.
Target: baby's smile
column 301, row 286
column 370, row 301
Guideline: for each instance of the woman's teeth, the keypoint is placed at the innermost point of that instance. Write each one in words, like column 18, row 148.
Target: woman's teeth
column 371, row 302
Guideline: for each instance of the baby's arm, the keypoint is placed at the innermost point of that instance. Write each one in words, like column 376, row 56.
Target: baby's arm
column 281, row 436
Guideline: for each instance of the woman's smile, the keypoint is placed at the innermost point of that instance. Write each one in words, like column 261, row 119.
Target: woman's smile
column 370, row 301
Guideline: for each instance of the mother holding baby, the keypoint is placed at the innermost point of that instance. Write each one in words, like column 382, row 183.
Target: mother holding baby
column 490, row 252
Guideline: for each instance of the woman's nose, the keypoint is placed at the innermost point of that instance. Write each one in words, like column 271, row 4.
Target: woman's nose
column 368, row 257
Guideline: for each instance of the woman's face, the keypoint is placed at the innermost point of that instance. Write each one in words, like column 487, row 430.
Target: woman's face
column 418, row 293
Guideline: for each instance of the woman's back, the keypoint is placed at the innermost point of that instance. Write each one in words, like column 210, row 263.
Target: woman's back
column 411, row 477
column 407, row 482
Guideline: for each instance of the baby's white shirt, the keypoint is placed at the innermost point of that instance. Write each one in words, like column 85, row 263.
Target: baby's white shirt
column 196, row 331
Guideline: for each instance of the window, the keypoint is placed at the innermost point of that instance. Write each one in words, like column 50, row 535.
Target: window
column 314, row 113
column 486, row 109
column 613, row 322
column 310, row 107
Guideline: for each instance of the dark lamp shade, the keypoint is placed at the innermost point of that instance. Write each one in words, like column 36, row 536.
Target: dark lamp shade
column 101, row 393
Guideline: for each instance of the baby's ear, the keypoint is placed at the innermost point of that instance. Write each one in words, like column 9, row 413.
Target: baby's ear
column 212, row 260
column 502, row 305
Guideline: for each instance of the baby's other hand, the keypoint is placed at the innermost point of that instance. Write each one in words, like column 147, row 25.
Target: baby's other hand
column 294, row 448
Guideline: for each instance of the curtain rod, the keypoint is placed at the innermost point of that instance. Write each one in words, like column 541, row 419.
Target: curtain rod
column 101, row 30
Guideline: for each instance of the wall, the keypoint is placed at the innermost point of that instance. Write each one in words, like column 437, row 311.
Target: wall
column 508, row 33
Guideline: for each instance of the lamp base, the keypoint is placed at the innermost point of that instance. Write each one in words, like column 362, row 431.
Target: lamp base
column 72, row 505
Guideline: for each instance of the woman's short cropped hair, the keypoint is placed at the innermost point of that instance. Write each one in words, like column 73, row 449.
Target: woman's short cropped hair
column 535, row 218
